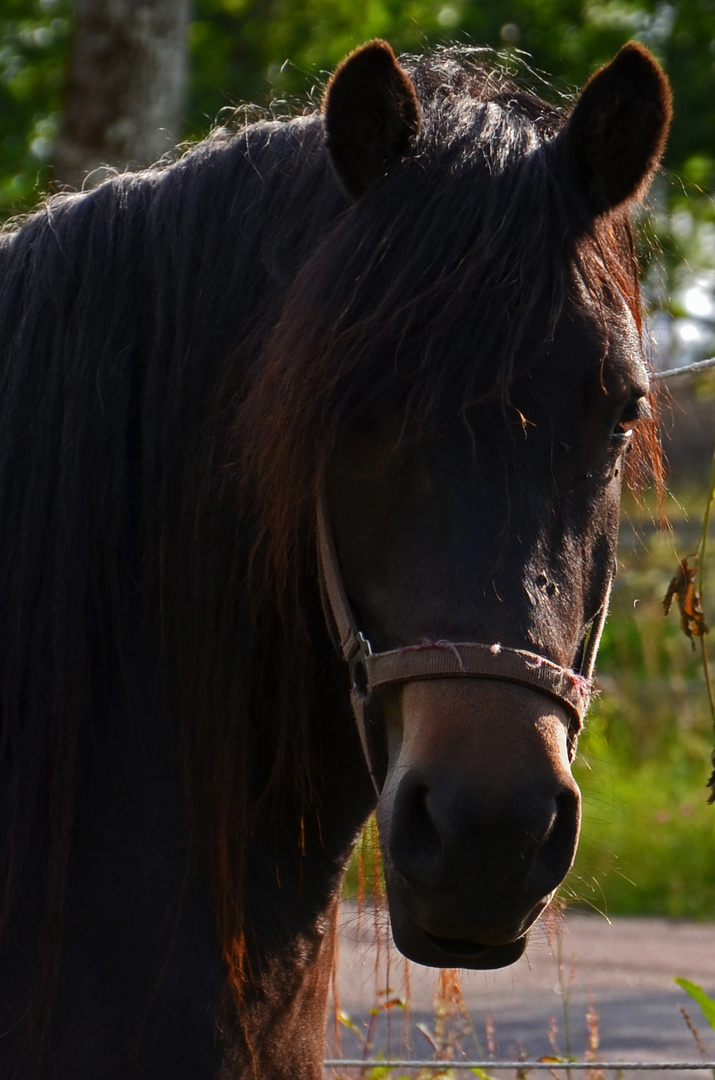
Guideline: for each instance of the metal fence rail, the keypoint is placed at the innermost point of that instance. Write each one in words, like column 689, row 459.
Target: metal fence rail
column 617, row 1066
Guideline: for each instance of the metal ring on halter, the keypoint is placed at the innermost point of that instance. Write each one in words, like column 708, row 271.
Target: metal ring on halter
column 360, row 682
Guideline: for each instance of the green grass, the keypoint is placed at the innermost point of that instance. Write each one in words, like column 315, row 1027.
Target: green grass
column 648, row 837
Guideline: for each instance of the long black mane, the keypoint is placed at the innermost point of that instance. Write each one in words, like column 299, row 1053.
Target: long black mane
column 181, row 348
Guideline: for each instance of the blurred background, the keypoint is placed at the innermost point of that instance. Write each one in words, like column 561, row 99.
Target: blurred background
column 117, row 83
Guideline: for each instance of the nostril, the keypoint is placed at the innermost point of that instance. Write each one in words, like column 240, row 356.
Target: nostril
column 555, row 853
column 415, row 845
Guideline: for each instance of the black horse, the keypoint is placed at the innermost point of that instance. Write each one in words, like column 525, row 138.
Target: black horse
column 367, row 376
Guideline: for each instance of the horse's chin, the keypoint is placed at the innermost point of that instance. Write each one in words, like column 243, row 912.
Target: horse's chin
column 434, row 951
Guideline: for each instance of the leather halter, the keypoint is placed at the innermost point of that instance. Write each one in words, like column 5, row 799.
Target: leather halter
column 445, row 659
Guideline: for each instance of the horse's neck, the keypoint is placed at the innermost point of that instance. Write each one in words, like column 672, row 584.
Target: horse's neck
column 292, row 898
column 284, row 1013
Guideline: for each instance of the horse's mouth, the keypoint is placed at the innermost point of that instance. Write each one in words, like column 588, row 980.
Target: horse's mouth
column 471, row 954
column 433, row 950
column 458, row 946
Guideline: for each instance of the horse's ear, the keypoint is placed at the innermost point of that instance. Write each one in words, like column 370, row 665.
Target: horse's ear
column 614, row 139
column 371, row 115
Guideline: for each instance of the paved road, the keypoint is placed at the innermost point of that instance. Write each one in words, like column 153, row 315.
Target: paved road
column 583, row 980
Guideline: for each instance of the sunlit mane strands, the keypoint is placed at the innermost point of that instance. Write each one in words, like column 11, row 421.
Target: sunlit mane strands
column 404, row 307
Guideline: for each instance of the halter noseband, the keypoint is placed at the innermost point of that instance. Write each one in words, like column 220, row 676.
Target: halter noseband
column 445, row 659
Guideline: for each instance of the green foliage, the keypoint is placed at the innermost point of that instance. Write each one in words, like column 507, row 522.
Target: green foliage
column 648, row 833
column 707, row 1004
column 33, row 49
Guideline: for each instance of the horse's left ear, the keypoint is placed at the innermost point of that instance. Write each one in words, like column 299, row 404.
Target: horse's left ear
column 615, row 137
column 371, row 115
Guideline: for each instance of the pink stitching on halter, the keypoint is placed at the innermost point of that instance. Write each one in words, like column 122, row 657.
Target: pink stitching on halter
column 495, row 649
column 452, row 648
column 580, row 683
column 427, row 644
column 424, row 644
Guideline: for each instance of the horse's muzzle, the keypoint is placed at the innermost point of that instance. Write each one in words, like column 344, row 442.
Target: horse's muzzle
column 479, row 819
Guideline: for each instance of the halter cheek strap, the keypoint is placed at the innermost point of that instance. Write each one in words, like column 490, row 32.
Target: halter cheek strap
column 445, row 659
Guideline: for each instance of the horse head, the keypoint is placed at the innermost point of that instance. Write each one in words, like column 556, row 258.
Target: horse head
column 468, row 537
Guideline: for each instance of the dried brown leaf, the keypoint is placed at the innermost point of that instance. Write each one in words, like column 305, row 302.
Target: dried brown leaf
column 682, row 589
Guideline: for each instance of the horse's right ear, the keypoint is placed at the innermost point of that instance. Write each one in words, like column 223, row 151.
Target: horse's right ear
column 371, row 115
column 614, row 139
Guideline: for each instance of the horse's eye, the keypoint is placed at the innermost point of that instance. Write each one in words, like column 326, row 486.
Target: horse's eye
column 637, row 408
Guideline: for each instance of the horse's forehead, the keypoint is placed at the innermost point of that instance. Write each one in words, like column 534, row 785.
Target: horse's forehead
column 626, row 354
column 613, row 336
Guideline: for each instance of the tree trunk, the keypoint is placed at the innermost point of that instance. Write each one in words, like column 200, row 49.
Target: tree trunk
column 125, row 87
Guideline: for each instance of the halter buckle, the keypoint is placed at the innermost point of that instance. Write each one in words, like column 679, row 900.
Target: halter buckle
column 357, row 668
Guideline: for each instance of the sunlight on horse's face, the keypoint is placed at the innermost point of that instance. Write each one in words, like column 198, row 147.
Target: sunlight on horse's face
column 501, row 529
